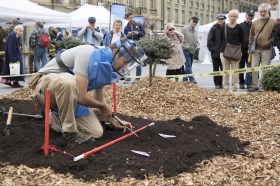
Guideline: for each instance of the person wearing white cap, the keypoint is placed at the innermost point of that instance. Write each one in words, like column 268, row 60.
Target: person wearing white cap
column 176, row 63
column 214, row 45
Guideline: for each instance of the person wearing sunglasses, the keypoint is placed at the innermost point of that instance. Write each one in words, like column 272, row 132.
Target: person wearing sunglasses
column 71, row 75
column 176, row 63
column 190, row 47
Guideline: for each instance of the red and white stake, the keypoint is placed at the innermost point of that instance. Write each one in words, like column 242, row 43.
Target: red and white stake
column 47, row 120
column 115, row 97
column 86, row 154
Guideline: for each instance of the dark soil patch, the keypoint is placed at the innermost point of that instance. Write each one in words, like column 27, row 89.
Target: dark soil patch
column 195, row 141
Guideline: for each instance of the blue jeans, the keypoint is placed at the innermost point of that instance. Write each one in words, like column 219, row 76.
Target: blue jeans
column 138, row 70
column 188, row 65
column 248, row 77
column 40, row 54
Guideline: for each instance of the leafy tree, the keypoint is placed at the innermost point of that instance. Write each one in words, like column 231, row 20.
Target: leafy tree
column 158, row 49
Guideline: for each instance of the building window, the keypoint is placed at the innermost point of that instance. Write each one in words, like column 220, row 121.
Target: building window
column 183, row 17
column 176, row 16
column 177, row 1
column 153, row 4
column 129, row 2
column 183, row 2
column 168, row 15
column 191, row 3
column 202, row 6
column 141, row 3
column 197, row 5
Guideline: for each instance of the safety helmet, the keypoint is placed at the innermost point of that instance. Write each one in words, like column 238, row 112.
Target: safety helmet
column 130, row 51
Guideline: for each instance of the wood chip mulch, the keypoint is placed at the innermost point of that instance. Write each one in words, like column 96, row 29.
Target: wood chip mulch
column 253, row 117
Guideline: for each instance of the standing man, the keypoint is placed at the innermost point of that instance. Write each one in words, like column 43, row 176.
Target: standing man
column 135, row 32
column 214, row 43
column 190, row 47
column 264, row 40
column 59, row 35
column 40, row 52
column 246, row 26
column 90, row 34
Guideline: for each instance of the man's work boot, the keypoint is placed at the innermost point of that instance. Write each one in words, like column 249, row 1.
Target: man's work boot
column 78, row 137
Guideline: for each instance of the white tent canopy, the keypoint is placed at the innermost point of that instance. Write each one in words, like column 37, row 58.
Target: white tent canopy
column 29, row 12
column 81, row 15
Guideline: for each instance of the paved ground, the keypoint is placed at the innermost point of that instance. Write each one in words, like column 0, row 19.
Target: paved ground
column 198, row 67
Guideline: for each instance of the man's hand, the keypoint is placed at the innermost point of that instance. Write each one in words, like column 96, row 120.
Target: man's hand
column 135, row 32
column 118, row 125
column 90, row 27
column 106, row 111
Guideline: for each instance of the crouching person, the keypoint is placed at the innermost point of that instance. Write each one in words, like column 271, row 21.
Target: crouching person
column 71, row 74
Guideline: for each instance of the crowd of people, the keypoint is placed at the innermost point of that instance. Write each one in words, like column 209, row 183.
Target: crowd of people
column 256, row 39
column 73, row 72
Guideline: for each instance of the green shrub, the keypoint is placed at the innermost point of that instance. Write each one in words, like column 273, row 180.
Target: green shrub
column 271, row 79
column 158, row 49
column 68, row 43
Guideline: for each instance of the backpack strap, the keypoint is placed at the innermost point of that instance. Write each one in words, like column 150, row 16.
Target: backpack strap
column 61, row 65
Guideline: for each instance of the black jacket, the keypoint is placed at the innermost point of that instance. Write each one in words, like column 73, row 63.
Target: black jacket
column 214, row 40
column 246, row 32
column 234, row 36
column 277, row 36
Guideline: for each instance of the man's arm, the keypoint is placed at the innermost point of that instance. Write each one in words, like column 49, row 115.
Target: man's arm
column 98, row 35
column 251, row 35
column 33, row 38
column 82, row 32
column 142, row 32
column 98, row 101
column 210, row 40
column 83, row 97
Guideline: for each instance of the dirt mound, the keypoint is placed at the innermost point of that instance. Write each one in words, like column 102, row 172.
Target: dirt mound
column 195, row 141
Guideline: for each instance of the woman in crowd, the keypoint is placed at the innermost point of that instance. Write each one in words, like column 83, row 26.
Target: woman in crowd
column 176, row 63
column 232, row 33
column 12, row 55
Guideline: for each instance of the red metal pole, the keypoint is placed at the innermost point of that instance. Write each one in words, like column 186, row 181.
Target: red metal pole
column 47, row 120
column 115, row 97
column 86, row 154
